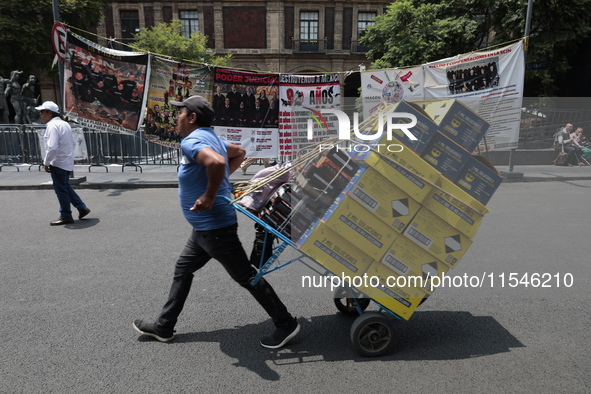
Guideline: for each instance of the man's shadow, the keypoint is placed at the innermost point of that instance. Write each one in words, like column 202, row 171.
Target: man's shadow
column 429, row 335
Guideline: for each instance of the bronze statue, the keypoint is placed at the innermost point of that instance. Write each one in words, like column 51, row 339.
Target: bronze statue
column 16, row 98
column 30, row 102
column 3, row 103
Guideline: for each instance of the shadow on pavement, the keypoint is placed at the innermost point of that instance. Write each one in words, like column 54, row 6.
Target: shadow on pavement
column 428, row 335
column 82, row 224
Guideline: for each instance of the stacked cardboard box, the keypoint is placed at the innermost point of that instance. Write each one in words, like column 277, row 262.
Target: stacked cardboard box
column 397, row 214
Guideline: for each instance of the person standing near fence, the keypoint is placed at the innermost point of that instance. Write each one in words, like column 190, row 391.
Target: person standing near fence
column 59, row 161
column 205, row 170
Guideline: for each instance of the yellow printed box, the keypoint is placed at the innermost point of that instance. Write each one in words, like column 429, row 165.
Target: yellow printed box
column 333, row 252
column 382, row 198
column 407, row 259
column 405, row 169
column 437, row 237
column 456, row 207
column 458, row 122
column 423, row 131
column 358, row 226
column 401, row 300
column 445, row 156
column 479, row 178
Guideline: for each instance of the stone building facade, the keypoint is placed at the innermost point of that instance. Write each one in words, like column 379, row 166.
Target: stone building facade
column 274, row 36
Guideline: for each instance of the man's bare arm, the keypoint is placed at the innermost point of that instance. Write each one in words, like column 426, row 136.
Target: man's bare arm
column 235, row 157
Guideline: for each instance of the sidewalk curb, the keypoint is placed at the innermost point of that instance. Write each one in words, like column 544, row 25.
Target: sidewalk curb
column 175, row 185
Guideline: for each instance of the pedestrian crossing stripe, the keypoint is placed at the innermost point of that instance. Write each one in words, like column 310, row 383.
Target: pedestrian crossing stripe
column 452, row 244
column 400, row 208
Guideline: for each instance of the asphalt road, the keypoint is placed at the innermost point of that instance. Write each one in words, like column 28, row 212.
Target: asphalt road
column 68, row 296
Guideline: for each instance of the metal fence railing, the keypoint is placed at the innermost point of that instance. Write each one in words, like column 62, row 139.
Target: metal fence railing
column 538, row 126
column 20, row 144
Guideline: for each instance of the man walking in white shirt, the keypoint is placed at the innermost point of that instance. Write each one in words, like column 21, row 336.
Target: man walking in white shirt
column 59, row 161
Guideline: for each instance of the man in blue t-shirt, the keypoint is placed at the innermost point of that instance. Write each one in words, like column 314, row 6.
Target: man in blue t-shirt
column 204, row 173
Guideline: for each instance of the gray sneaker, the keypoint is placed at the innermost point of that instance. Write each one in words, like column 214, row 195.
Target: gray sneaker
column 281, row 336
column 150, row 330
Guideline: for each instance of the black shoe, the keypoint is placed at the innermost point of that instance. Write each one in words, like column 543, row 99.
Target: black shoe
column 83, row 212
column 281, row 336
column 61, row 221
column 150, row 330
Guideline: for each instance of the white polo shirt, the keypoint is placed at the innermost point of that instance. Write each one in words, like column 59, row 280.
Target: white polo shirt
column 59, row 145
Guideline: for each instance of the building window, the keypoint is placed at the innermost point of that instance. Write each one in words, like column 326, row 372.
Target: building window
column 130, row 24
column 309, row 31
column 364, row 19
column 190, row 21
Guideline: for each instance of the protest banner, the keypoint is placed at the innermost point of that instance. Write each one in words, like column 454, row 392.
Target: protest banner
column 302, row 98
column 104, row 88
column 170, row 80
column 247, row 111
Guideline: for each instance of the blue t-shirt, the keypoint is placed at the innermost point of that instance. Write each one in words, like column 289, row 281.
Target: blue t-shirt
column 193, row 182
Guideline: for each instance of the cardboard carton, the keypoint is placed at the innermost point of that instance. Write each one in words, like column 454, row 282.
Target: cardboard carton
column 359, row 227
column 333, row 252
column 424, row 130
column 454, row 206
column 405, row 169
column 437, row 237
column 445, row 156
column 479, row 179
column 458, row 122
column 408, row 259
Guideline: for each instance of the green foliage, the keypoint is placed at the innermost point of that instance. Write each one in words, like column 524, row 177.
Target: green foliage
column 25, row 30
column 166, row 40
column 413, row 32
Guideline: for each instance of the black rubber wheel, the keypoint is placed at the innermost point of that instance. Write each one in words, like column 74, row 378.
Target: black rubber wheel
column 372, row 334
column 346, row 304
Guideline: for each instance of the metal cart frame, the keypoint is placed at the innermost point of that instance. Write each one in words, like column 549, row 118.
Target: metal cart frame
column 372, row 333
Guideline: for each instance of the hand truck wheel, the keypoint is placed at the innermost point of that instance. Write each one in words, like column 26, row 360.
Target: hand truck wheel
column 346, row 304
column 372, row 334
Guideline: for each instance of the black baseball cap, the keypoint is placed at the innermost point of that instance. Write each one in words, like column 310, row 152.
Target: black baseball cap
column 199, row 105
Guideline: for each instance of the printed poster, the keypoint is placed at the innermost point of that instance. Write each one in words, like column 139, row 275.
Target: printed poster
column 170, row 80
column 302, row 98
column 104, row 88
column 246, row 107
column 391, row 86
column 490, row 83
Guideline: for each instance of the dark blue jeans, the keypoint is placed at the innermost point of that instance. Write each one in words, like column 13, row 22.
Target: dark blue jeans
column 65, row 193
column 223, row 245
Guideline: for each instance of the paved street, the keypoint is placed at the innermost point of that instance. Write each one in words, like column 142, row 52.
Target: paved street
column 68, row 296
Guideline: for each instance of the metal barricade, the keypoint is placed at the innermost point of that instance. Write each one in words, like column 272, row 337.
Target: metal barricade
column 11, row 152
column 32, row 134
column 20, row 144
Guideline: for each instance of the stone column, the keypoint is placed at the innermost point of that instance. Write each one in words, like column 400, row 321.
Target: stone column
column 218, row 23
column 338, row 27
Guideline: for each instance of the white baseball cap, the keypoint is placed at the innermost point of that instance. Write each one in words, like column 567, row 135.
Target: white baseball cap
column 49, row 106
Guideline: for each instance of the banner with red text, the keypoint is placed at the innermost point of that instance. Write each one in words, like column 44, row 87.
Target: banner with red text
column 302, row 98
column 246, row 110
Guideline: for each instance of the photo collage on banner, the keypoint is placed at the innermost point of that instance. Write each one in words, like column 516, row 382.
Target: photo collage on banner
column 246, row 110
column 391, row 86
column 302, row 98
column 170, row 80
column 104, row 88
column 490, row 83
